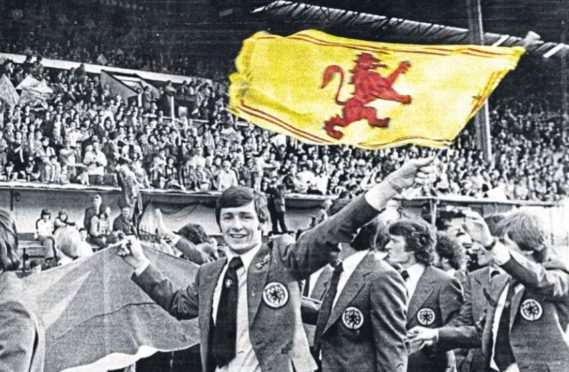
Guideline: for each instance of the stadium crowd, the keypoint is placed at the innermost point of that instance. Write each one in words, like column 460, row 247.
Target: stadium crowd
column 83, row 132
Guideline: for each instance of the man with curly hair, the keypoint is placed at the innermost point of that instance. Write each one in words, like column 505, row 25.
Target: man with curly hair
column 435, row 297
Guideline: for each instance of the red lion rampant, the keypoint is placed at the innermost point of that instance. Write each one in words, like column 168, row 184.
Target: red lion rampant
column 369, row 86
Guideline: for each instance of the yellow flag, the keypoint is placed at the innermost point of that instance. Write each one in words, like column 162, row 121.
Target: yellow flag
column 324, row 89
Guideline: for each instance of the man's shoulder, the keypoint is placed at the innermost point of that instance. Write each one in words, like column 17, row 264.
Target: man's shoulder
column 437, row 275
column 479, row 274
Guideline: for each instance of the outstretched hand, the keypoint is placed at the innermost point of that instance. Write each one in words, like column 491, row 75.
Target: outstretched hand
column 130, row 250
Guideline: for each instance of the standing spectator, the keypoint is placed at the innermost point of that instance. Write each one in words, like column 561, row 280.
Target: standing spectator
column 96, row 161
column 92, row 211
column 226, row 177
column 68, row 159
column 277, row 209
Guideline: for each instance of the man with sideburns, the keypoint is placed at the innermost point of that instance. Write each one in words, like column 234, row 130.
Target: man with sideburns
column 248, row 303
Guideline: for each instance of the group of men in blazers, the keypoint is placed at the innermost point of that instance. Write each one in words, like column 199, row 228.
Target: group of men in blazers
column 404, row 315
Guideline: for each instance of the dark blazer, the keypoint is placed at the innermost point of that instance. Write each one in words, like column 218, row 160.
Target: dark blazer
column 22, row 338
column 89, row 214
column 321, row 284
column 436, row 301
column 121, row 224
column 375, row 342
column 477, row 282
column 544, row 324
column 276, row 334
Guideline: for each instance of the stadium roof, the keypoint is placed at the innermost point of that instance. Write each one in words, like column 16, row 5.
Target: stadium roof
column 446, row 28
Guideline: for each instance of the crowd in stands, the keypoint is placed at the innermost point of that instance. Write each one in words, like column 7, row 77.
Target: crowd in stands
column 103, row 35
column 83, row 132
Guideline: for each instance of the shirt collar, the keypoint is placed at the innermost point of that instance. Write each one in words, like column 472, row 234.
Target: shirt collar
column 416, row 270
column 246, row 257
column 350, row 263
column 451, row 272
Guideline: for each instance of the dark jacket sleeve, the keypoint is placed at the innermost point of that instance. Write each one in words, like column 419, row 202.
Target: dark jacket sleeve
column 450, row 300
column 388, row 297
column 553, row 284
column 17, row 338
column 315, row 248
column 180, row 303
column 465, row 316
column 309, row 310
column 466, row 336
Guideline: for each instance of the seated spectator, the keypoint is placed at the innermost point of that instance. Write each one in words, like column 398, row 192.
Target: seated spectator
column 100, row 230
column 123, row 222
column 62, row 220
column 44, row 234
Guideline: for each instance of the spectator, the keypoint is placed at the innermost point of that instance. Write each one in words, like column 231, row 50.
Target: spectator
column 226, row 177
column 276, row 204
column 123, row 222
column 62, row 220
column 101, row 228
column 92, row 211
column 96, row 161
column 44, row 234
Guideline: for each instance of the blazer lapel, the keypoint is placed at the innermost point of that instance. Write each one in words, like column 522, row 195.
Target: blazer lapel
column 208, row 282
column 422, row 292
column 516, row 299
column 256, row 280
column 322, row 283
column 353, row 286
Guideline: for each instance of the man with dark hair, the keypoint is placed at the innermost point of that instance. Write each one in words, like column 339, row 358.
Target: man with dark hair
column 123, row 221
column 528, row 304
column 361, row 324
column 248, row 303
column 92, row 211
column 435, row 297
column 450, row 256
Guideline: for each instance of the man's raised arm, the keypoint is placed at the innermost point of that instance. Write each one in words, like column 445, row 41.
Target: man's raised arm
column 316, row 247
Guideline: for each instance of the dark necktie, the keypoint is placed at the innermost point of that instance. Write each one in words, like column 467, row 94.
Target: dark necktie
column 503, row 354
column 225, row 331
column 326, row 308
column 405, row 275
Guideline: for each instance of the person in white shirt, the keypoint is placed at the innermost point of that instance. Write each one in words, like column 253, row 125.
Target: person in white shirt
column 96, row 161
column 44, row 234
column 226, row 177
column 248, row 304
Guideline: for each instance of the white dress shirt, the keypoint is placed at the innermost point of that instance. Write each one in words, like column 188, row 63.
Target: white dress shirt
column 348, row 266
column 415, row 271
column 245, row 358
column 501, row 255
